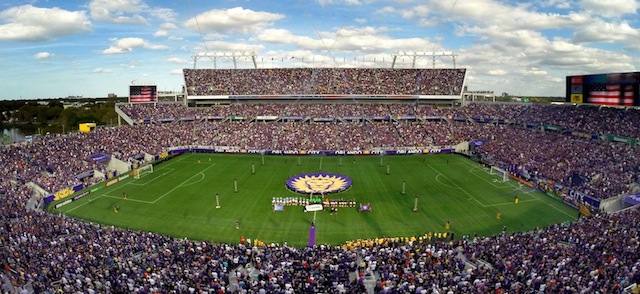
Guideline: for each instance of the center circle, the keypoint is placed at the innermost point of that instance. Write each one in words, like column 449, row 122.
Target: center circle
column 318, row 183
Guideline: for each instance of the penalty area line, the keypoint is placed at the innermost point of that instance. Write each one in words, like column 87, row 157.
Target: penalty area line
column 127, row 199
column 181, row 184
column 512, row 203
column 457, row 186
column 85, row 203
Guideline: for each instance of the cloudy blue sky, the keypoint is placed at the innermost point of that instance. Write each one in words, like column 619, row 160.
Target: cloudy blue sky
column 58, row 48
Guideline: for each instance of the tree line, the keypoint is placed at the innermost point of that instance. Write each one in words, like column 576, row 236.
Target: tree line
column 56, row 115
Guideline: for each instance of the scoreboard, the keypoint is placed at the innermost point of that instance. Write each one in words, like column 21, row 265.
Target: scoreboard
column 616, row 89
column 143, row 93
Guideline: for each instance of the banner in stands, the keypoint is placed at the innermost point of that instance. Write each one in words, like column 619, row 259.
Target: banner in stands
column 477, row 142
column 62, row 193
column 295, row 118
column 49, row 199
column 568, row 196
column 582, row 135
column 216, row 117
column 85, row 174
column 101, row 158
column 266, row 117
column 209, row 149
column 616, row 138
column 483, row 119
column 74, row 198
column 380, row 117
column 632, row 200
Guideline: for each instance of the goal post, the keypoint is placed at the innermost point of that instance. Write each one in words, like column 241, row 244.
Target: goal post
column 147, row 169
column 500, row 172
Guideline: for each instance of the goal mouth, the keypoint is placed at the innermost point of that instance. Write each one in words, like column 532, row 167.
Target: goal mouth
column 494, row 170
column 138, row 172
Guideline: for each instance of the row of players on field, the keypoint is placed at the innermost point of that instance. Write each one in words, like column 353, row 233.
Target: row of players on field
column 302, row 201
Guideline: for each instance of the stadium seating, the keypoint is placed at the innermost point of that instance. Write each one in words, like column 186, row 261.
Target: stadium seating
column 323, row 81
column 52, row 253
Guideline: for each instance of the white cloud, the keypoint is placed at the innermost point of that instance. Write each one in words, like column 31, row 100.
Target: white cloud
column 600, row 31
column 337, row 2
column 102, row 70
column 611, row 8
column 177, row 60
column 165, row 14
column 232, row 46
column 282, row 36
column 497, row 72
column 168, row 26
column 413, row 12
column 176, row 71
column 486, row 13
column 160, row 33
column 28, row 23
column 126, row 45
column 523, row 47
column 43, row 55
column 560, row 4
column 118, row 11
column 164, row 29
column 130, row 65
column 365, row 39
column 175, row 38
column 234, row 20
column 534, row 72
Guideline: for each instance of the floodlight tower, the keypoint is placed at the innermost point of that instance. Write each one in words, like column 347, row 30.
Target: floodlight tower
column 415, row 55
column 219, row 55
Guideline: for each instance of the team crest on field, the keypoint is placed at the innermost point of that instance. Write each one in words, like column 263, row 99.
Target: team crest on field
column 318, row 183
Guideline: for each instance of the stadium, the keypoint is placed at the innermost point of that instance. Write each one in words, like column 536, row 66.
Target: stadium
column 330, row 180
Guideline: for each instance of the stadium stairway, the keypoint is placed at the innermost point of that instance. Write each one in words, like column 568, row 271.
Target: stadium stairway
column 124, row 116
column 370, row 278
column 233, row 278
column 467, row 264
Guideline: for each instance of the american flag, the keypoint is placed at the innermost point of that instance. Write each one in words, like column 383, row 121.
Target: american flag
column 139, row 94
column 610, row 95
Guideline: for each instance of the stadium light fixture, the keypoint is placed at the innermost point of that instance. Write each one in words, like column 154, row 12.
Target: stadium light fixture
column 234, row 56
column 415, row 55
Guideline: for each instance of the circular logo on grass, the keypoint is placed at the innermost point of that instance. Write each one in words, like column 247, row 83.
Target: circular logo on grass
column 316, row 183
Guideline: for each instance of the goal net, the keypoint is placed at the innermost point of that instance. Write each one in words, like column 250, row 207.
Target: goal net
column 147, row 169
column 500, row 172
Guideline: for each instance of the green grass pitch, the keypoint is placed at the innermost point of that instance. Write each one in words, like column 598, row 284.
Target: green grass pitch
column 178, row 199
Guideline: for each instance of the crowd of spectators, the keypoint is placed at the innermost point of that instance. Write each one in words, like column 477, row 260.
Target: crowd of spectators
column 588, row 119
column 564, row 159
column 55, row 254
column 323, row 81
column 585, row 119
column 52, row 252
column 605, row 168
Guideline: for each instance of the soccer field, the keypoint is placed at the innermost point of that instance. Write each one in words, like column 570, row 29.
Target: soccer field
column 179, row 199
